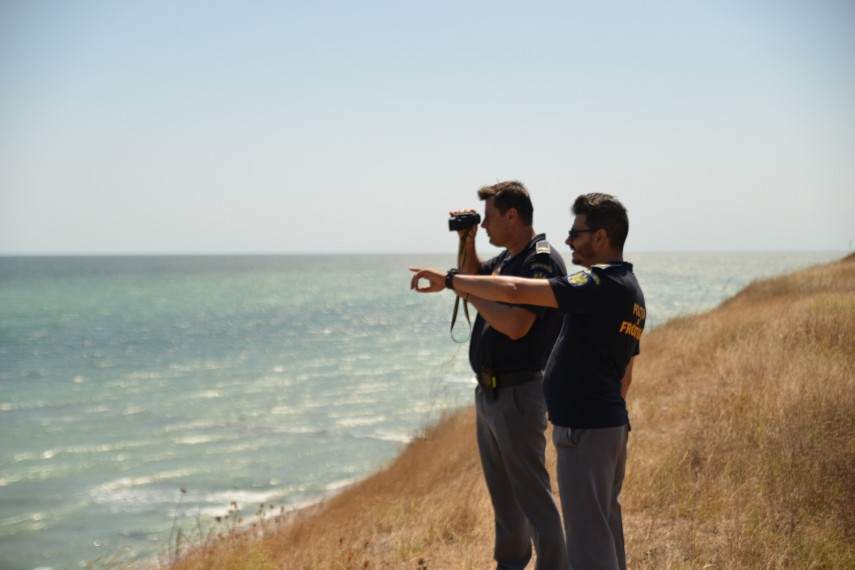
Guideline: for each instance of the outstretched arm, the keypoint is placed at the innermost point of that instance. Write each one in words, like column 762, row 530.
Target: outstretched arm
column 514, row 290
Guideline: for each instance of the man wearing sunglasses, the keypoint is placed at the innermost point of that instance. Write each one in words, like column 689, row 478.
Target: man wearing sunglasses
column 588, row 373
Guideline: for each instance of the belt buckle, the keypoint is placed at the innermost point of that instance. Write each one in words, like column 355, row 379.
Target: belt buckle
column 488, row 385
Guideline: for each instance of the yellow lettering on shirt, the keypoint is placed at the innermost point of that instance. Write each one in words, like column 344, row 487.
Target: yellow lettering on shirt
column 631, row 329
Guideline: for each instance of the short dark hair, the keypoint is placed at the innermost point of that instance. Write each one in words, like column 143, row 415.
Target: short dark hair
column 603, row 211
column 510, row 194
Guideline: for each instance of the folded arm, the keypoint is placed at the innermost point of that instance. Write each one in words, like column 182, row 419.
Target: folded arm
column 513, row 322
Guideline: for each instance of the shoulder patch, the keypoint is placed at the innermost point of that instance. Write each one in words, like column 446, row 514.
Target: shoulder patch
column 542, row 246
column 583, row 278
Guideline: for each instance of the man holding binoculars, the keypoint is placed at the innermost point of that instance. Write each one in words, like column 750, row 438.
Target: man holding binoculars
column 508, row 351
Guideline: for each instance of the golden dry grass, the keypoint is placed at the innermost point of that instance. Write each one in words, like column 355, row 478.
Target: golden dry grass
column 741, row 456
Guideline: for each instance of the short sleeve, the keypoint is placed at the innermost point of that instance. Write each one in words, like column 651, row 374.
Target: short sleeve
column 580, row 292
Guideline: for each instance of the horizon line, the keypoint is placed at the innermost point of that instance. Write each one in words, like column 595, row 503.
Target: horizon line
column 381, row 253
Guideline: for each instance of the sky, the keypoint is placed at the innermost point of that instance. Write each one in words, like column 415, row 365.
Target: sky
column 279, row 127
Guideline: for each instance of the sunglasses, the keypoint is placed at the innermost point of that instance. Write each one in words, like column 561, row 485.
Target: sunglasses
column 574, row 233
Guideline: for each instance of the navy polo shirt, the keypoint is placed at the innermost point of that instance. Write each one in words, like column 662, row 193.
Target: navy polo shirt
column 490, row 350
column 604, row 316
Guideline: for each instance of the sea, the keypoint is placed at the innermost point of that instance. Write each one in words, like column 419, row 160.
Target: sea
column 142, row 398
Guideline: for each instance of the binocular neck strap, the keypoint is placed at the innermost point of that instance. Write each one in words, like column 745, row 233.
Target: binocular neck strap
column 461, row 258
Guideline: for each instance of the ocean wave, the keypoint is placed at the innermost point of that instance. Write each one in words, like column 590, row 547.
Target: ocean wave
column 25, row 522
column 11, row 479
column 461, row 379
column 340, row 484
column 222, row 503
column 196, row 439
column 39, row 520
column 200, row 424
column 353, row 421
column 137, row 494
column 393, row 436
column 207, row 395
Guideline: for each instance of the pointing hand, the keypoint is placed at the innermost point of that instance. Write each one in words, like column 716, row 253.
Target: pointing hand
column 435, row 279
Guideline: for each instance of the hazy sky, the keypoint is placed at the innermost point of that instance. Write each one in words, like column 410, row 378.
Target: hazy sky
column 180, row 126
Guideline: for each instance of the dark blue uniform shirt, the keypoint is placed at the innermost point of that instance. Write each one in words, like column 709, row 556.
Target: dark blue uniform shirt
column 490, row 350
column 604, row 316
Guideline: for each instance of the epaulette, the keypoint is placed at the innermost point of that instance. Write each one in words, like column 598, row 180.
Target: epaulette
column 542, row 266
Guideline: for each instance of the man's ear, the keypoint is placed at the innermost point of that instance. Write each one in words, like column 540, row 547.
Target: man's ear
column 512, row 214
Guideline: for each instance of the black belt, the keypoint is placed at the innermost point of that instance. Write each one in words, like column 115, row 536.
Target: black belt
column 507, row 379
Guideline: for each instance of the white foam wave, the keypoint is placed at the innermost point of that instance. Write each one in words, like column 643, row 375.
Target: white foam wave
column 11, row 479
column 354, row 400
column 145, row 375
column 300, row 430
column 103, row 448
column 132, row 500
column 208, row 395
column 24, row 456
column 195, row 439
column 30, row 522
column 197, row 424
column 336, row 486
column 134, row 494
column 206, row 365
column 393, row 436
column 359, row 421
column 461, row 379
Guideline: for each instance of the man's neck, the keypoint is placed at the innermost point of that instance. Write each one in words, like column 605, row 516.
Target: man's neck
column 612, row 257
column 520, row 241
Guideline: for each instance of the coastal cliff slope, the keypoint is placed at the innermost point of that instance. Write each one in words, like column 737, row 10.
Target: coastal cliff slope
column 741, row 455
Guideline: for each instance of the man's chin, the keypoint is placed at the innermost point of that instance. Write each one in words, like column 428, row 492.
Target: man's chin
column 580, row 262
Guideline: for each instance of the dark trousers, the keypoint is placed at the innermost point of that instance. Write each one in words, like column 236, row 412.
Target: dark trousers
column 591, row 466
column 512, row 445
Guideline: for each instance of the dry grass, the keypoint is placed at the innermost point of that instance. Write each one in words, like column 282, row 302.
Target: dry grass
column 741, row 456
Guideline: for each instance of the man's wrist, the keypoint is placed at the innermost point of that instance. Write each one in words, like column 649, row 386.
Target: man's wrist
column 449, row 278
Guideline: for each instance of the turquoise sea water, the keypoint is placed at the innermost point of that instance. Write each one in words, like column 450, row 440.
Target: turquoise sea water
column 258, row 379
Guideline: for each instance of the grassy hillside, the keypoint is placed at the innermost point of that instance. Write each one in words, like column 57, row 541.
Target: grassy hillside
column 742, row 455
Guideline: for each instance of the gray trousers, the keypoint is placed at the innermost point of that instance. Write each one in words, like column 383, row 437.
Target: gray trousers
column 512, row 445
column 590, row 470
